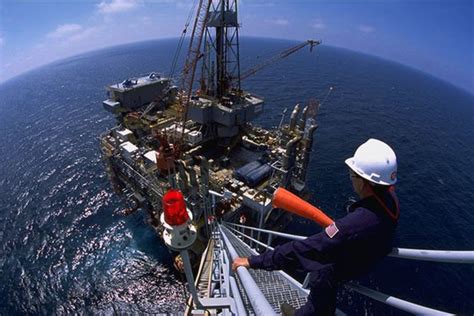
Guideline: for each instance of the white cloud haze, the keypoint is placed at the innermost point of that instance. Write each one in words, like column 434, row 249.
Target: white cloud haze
column 64, row 30
column 318, row 24
column 366, row 28
column 114, row 6
column 104, row 23
column 278, row 21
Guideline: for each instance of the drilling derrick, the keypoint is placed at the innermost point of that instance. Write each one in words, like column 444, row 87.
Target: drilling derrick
column 221, row 66
column 220, row 107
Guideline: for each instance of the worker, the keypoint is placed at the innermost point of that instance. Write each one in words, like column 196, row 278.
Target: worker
column 350, row 246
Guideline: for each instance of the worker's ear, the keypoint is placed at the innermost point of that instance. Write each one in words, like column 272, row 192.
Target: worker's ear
column 365, row 187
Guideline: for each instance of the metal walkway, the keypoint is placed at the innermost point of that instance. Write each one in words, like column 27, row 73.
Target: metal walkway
column 219, row 291
column 277, row 286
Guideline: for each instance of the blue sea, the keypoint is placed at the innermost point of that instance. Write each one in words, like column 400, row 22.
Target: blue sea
column 63, row 249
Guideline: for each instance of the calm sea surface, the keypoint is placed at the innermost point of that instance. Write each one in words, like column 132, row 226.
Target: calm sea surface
column 63, row 250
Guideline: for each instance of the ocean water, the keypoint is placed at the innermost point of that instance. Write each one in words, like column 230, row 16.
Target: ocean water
column 63, row 250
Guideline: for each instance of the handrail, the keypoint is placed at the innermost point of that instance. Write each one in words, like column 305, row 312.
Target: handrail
column 255, row 296
column 447, row 256
column 450, row 256
column 378, row 296
column 252, row 239
column 395, row 302
column 237, row 298
column 271, row 232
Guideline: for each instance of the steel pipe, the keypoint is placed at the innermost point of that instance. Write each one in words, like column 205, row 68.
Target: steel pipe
column 190, row 278
column 236, row 295
column 294, row 117
column 304, row 115
column 434, row 255
column 396, row 302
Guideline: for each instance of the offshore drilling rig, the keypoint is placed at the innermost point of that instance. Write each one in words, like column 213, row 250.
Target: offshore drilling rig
column 201, row 141
column 192, row 160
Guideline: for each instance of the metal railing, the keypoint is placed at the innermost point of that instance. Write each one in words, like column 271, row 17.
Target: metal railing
column 450, row 256
column 434, row 255
column 222, row 292
column 395, row 302
column 402, row 253
column 256, row 297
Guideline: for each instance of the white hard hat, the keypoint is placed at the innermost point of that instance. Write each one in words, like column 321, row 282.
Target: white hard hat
column 375, row 161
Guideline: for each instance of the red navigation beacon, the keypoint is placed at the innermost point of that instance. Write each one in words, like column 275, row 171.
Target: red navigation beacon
column 175, row 208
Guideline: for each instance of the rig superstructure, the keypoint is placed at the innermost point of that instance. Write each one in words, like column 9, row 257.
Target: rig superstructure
column 192, row 159
column 201, row 141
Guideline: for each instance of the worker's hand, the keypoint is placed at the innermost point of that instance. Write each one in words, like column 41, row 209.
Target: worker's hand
column 238, row 262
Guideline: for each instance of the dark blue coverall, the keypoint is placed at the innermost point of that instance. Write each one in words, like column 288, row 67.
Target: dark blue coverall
column 363, row 237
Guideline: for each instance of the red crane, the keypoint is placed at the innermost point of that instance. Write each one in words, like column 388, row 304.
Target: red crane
column 193, row 55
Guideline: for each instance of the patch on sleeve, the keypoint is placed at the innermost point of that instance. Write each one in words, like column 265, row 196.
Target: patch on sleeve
column 331, row 230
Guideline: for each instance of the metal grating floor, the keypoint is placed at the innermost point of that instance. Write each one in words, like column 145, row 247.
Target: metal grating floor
column 273, row 284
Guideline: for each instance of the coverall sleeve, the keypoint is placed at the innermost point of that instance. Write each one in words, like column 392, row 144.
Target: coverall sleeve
column 308, row 255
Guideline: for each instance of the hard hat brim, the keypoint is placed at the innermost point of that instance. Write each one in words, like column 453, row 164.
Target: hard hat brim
column 351, row 164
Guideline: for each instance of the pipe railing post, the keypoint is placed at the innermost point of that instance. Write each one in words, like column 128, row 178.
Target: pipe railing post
column 251, row 244
column 269, row 239
column 188, row 271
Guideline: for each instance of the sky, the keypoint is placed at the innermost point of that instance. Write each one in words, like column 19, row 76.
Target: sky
column 434, row 36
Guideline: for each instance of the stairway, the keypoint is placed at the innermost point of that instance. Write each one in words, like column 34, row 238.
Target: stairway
column 276, row 286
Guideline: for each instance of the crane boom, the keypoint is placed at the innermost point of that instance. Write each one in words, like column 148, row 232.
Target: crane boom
column 278, row 57
column 193, row 55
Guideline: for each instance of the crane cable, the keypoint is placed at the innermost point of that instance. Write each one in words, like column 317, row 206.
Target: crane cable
column 181, row 40
column 327, row 96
